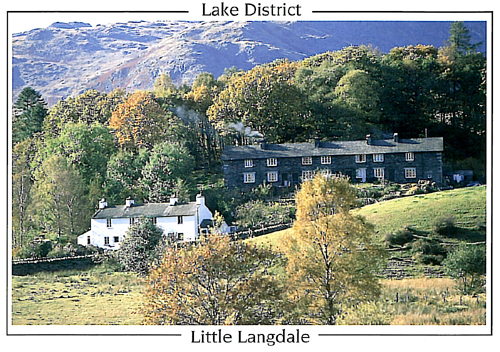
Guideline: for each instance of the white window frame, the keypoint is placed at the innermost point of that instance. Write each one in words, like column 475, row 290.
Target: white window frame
column 411, row 172
column 379, row 172
column 116, row 239
column 248, row 163
column 326, row 159
column 109, row 223
column 410, row 156
column 249, row 177
column 106, row 241
column 307, row 160
column 272, row 176
column 307, row 175
column 272, row 162
column 358, row 173
column 131, row 221
column 378, row 158
column 360, row 158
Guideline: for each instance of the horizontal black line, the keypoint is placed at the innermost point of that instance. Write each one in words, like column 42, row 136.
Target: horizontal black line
column 172, row 11
column 444, row 334
column 168, row 335
column 402, row 11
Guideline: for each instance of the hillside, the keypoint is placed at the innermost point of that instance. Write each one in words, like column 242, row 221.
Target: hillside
column 467, row 206
column 66, row 59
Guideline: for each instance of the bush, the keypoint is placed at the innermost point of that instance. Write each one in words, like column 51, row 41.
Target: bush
column 142, row 247
column 467, row 265
column 444, row 226
column 399, row 238
column 428, row 252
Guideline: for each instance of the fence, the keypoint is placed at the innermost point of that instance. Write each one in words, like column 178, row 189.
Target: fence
column 30, row 266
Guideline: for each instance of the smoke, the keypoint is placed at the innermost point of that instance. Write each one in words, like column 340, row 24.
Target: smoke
column 244, row 130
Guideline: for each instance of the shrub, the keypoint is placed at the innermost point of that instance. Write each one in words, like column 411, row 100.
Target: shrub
column 467, row 265
column 428, row 251
column 366, row 313
column 142, row 247
column 399, row 238
column 444, row 226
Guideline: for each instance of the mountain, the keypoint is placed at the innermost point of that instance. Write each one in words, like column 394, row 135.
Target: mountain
column 66, row 59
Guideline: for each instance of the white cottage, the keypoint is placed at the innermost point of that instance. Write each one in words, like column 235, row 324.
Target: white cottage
column 109, row 224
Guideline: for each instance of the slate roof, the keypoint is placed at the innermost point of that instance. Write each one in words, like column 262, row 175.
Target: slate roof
column 290, row 150
column 151, row 210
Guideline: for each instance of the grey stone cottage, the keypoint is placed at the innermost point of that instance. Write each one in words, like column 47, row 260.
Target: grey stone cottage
column 286, row 165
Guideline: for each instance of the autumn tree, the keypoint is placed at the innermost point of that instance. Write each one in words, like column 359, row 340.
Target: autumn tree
column 331, row 256
column 89, row 107
column 217, row 282
column 263, row 99
column 141, row 122
column 29, row 112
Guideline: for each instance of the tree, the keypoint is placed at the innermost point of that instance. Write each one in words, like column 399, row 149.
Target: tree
column 258, row 214
column 214, row 283
column 467, row 265
column 29, row 112
column 22, row 181
column 142, row 246
column 169, row 166
column 460, row 38
column 141, row 122
column 123, row 175
column 60, row 204
column 331, row 256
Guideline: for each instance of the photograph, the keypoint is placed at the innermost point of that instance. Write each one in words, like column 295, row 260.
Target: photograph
column 249, row 174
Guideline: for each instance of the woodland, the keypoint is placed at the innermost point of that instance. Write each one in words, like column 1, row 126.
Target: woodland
column 152, row 144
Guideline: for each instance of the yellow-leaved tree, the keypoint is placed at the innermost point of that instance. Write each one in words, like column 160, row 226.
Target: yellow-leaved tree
column 331, row 255
column 217, row 282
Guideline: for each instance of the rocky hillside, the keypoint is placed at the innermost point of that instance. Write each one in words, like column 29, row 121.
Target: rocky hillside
column 66, row 59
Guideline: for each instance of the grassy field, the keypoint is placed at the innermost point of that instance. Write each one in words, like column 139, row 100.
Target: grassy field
column 467, row 206
column 93, row 297
column 99, row 296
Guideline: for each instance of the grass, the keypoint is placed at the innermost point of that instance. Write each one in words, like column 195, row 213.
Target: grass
column 430, row 301
column 92, row 297
column 466, row 205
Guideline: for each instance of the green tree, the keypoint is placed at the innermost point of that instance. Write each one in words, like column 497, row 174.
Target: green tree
column 142, row 247
column 29, row 112
column 60, row 204
column 460, row 38
column 467, row 265
column 22, row 180
column 123, row 174
column 217, row 282
column 330, row 252
column 258, row 214
column 168, row 164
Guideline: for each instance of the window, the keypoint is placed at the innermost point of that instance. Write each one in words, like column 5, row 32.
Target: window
column 409, row 156
column 88, row 239
column 248, row 163
column 154, row 221
column 327, row 159
column 132, row 221
column 360, row 173
column 180, row 220
column 272, row 162
column 249, row 177
column 307, row 160
column 116, row 239
column 378, row 172
column 108, row 222
column 180, row 236
column 106, row 240
column 272, row 176
column 307, row 175
column 378, row 158
column 411, row 172
column 361, row 158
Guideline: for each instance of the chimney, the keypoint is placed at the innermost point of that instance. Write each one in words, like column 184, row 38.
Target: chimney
column 369, row 139
column 396, row 138
column 316, row 143
column 174, row 200
column 263, row 144
column 129, row 202
column 103, row 204
column 200, row 200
